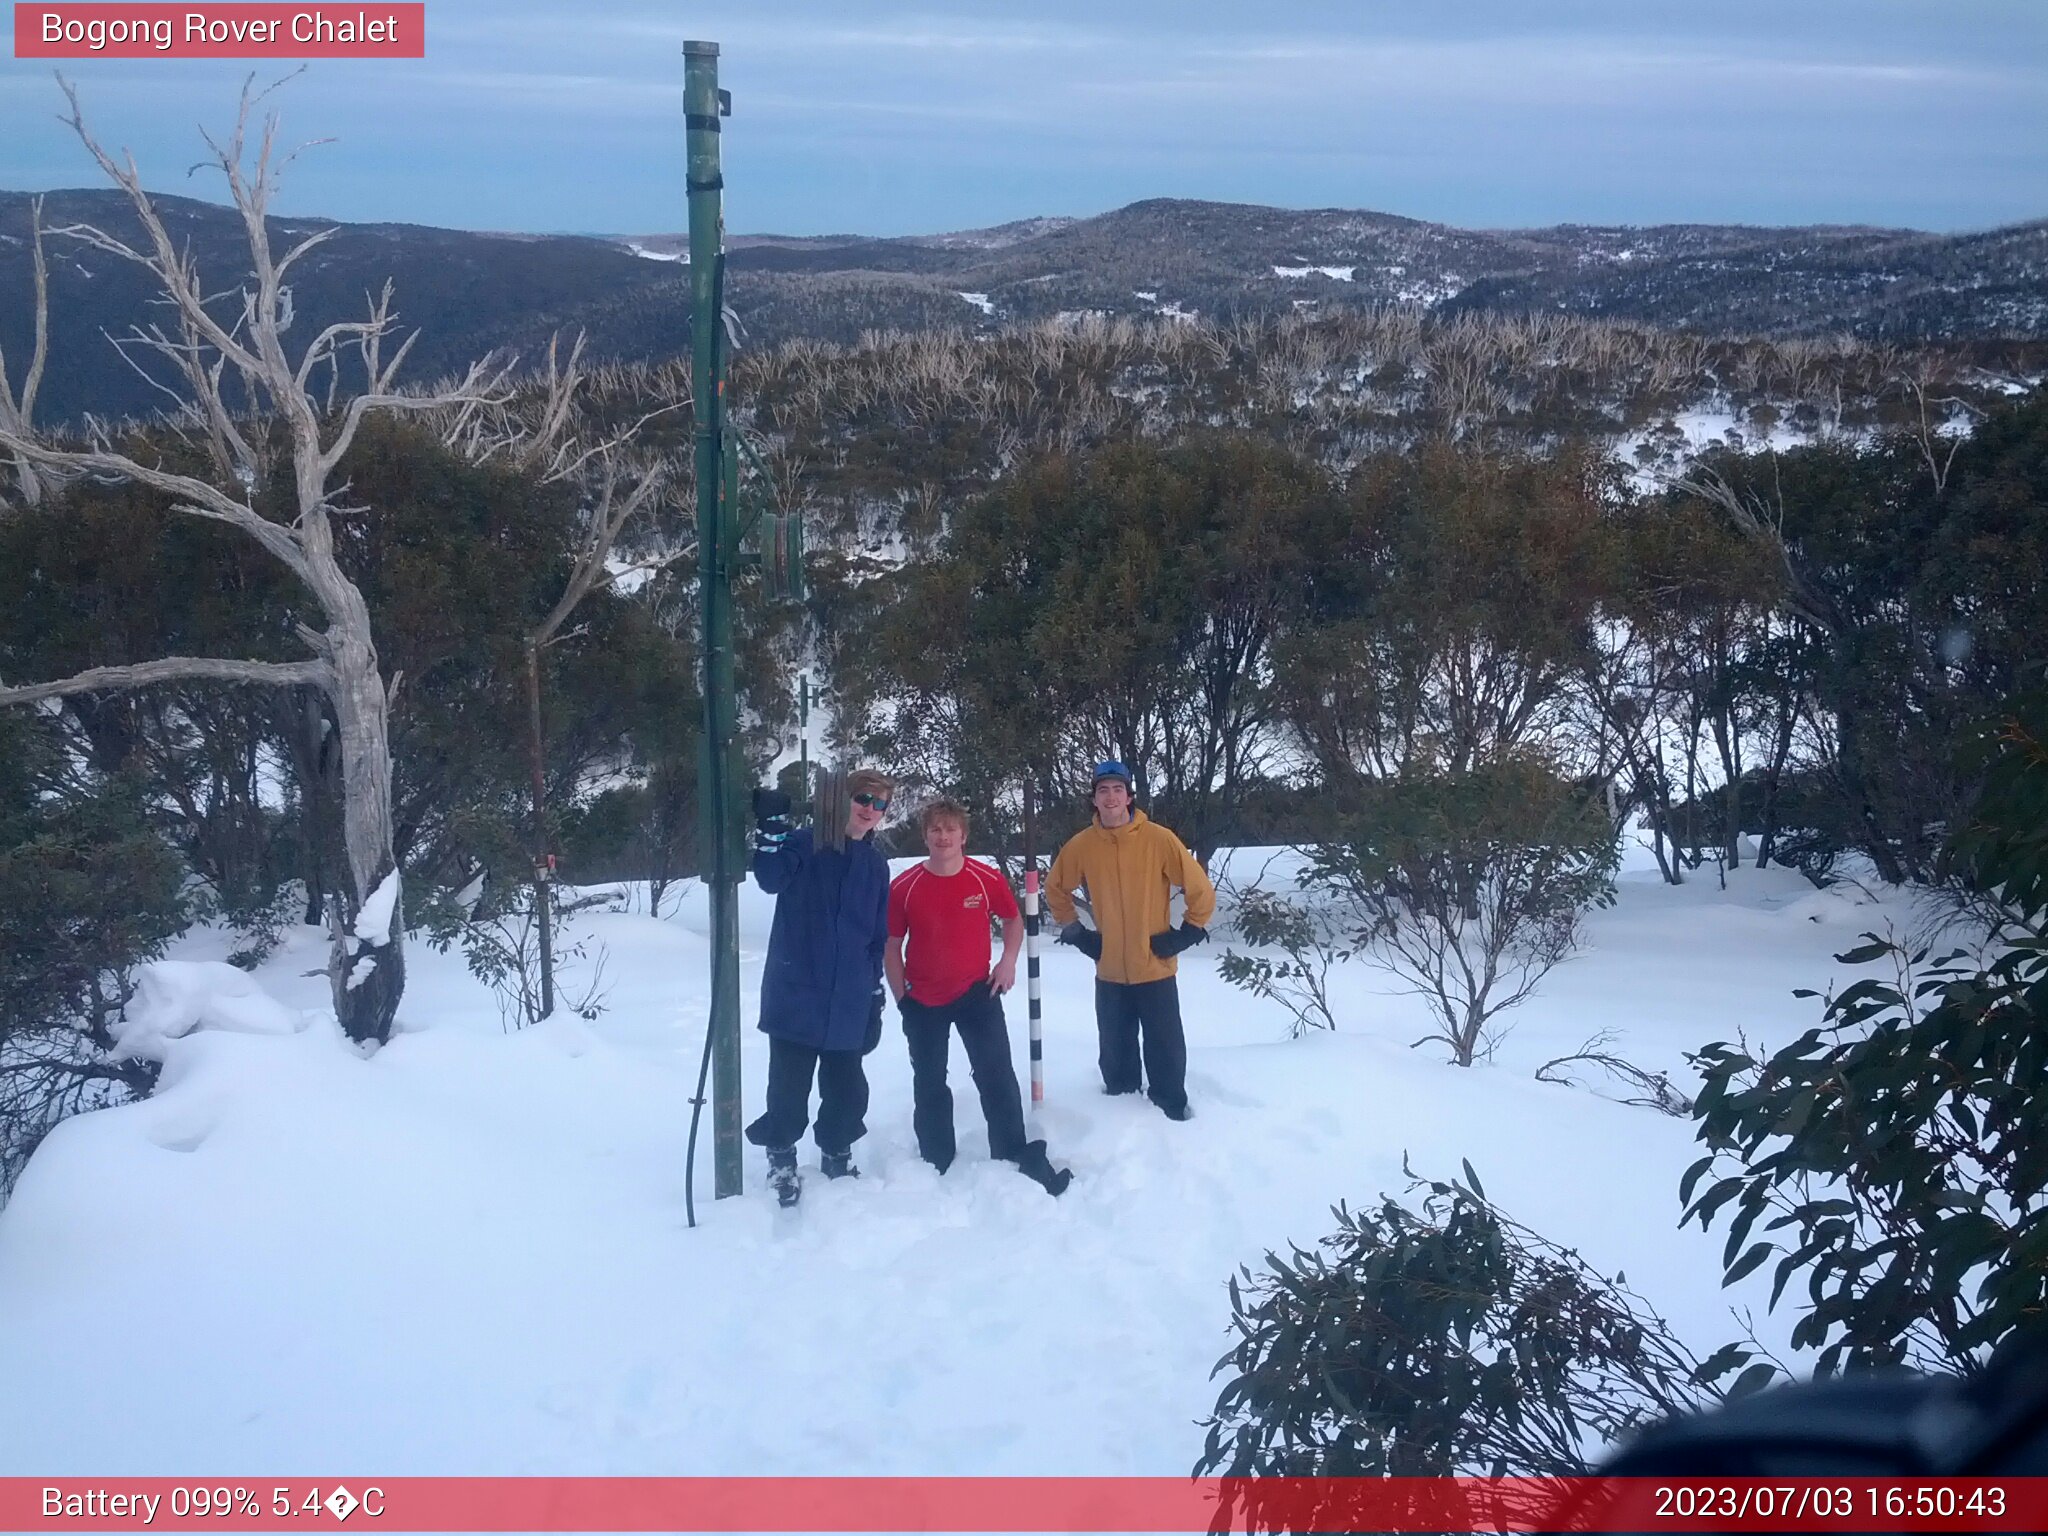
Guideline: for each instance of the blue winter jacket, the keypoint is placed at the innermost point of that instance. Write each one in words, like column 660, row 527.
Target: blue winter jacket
column 825, row 950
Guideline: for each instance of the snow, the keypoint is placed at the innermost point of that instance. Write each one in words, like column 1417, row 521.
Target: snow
column 638, row 249
column 1341, row 274
column 2005, row 384
column 792, row 750
column 466, row 1253
column 1424, row 291
column 628, row 576
column 173, row 998
column 1665, row 447
column 373, row 923
column 980, row 301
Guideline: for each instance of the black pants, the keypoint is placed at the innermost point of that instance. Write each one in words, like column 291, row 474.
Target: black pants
column 1127, row 1011
column 978, row 1014
column 842, row 1097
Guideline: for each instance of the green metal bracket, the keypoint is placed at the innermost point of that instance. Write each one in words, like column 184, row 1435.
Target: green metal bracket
column 736, row 526
column 777, row 537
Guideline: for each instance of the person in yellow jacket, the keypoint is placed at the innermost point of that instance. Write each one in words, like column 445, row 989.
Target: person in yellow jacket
column 1131, row 866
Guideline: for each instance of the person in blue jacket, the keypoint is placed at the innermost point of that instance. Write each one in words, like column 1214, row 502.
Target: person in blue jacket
column 821, row 994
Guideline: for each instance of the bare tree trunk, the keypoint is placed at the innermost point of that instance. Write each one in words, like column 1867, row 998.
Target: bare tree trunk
column 366, row 995
column 17, row 411
column 543, row 910
column 1728, row 742
column 1781, row 748
column 303, row 726
column 616, row 506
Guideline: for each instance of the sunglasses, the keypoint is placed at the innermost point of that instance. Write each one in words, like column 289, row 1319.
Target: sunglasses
column 877, row 802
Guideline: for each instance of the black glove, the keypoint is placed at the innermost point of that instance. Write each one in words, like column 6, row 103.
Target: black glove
column 1085, row 939
column 1174, row 940
column 873, row 1037
column 771, row 820
column 905, row 1003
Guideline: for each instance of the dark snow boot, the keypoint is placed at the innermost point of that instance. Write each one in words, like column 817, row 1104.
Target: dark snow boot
column 837, row 1165
column 783, row 1178
column 1038, row 1168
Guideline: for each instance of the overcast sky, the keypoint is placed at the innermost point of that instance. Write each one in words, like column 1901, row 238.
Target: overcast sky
column 887, row 118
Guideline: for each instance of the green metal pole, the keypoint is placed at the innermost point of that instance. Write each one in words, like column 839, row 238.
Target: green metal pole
column 803, row 736
column 717, row 794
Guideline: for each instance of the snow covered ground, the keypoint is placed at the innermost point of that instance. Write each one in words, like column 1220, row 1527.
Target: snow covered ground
column 467, row 1253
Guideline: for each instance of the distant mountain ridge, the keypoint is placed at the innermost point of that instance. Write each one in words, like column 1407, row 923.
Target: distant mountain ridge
column 471, row 292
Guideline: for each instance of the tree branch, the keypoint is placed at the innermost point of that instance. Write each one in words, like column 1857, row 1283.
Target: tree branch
column 1755, row 520
column 195, row 497
column 607, row 521
column 177, row 669
column 480, row 384
column 176, row 272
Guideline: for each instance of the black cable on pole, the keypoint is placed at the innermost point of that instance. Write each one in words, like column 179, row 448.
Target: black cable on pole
column 696, row 1114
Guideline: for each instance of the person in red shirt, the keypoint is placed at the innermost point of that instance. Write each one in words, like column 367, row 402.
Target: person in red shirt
column 943, row 908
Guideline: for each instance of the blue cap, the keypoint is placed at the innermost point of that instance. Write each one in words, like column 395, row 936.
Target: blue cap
column 1111, row 770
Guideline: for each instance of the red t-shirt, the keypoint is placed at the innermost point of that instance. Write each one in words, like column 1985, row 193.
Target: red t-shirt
column 947, row 920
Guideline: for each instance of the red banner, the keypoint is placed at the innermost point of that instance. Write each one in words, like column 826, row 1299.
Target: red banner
column 203, row 31
column 1011, row 1504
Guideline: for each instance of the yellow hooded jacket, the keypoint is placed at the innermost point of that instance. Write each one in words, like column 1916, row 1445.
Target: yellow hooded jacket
column 1130, row 872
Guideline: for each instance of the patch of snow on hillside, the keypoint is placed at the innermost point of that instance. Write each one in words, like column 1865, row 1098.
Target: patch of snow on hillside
column 1665, row 448
column 980, row 301
column 1341, row 274
column 1423, row 291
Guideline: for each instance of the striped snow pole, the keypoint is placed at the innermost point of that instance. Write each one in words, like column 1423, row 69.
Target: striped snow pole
column 1031, row 983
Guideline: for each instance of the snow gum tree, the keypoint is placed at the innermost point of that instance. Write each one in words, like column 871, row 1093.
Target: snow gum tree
column 243, row 393
column 1469, row 884
column 1121, row 603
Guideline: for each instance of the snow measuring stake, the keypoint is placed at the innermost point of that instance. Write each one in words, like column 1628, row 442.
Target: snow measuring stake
column 1031, row 926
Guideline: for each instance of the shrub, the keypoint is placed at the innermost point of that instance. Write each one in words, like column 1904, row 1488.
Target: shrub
column 1300, row 982
column 1899, row 1147
column 87, row 892
column 1470, row 885
column 1452, row 1340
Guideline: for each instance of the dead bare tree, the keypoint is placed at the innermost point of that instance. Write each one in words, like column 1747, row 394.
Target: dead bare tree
column 366, row 964
column 17, row 411
column 542, row 428
column 1635, row 1085
column 622, row 494
column 1934, row 413
column 1761, row 521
